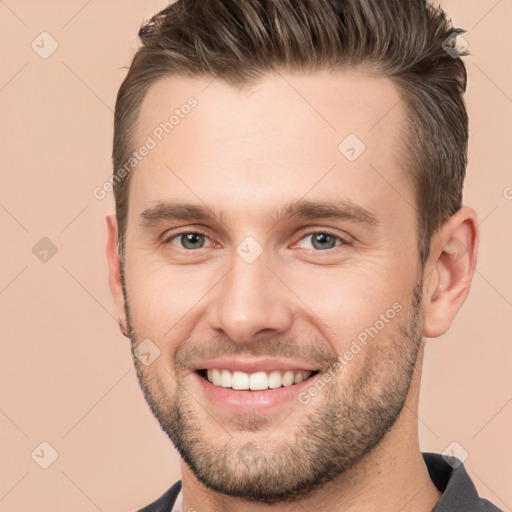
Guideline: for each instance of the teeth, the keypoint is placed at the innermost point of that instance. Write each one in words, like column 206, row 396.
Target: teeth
column 255, row 381
column 258, row 380
column 240, row 380
column 274, row 379
column 225, row 379
column 298, row 378
column 216, row 377
column 287, row 379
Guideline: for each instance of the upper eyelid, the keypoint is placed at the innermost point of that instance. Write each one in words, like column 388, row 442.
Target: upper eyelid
column 345, row 239
column 167, row 236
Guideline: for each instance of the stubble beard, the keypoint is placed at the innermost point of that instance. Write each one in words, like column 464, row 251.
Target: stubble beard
column 342, row 425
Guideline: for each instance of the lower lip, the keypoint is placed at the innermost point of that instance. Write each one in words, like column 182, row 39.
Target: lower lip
column 242, row 401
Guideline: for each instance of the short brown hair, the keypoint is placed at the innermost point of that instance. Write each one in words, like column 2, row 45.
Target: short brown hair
column 239, row 41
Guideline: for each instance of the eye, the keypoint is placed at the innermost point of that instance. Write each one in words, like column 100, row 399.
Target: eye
column 320, row 240
column 323, row 240
column 188, row 240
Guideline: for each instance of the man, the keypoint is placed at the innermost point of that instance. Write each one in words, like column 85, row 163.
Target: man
column 289, row 227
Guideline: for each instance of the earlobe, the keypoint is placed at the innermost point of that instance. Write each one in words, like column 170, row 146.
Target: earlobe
column 453, row 257
column 114, row 272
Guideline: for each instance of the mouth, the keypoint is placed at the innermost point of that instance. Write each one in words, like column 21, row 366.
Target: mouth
column 257, row 381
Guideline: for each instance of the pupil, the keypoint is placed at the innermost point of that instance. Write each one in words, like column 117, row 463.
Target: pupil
column 191, row 239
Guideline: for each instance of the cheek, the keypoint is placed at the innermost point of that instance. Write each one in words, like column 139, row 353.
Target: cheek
column 158, row 381
column 345, row 301
column 163, row 298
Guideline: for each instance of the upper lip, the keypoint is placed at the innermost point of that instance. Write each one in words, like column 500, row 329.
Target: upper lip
column 254, row 365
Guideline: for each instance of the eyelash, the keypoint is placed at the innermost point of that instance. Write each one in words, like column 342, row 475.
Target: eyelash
column 328, row 232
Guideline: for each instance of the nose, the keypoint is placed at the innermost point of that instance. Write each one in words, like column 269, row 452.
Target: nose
column 249, row 301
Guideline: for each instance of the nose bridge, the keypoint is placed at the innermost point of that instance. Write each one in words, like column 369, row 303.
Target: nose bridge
column 250, row 298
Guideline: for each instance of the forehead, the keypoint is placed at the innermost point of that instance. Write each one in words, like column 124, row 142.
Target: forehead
column 289, row 134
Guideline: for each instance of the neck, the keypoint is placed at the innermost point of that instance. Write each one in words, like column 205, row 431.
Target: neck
column 393, row 476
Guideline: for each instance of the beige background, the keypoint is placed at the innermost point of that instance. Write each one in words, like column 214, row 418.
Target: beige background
column 66, row 372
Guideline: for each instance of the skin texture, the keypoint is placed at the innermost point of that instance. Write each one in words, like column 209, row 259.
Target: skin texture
column 353, row 446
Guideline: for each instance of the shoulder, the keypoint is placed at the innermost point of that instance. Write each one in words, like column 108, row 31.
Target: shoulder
column 166, row 501
column 458, row 491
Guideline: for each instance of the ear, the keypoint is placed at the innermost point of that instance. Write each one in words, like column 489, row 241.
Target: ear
column 114, row 272
column 453, row 258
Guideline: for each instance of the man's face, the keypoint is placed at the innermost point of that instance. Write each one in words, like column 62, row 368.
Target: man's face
column 253, row 292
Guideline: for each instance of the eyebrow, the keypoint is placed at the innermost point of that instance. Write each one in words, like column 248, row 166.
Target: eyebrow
column 295, row 210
